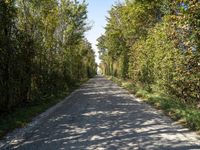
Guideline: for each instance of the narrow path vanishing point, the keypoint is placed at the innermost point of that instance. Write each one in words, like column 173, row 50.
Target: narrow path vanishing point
column 101, row 115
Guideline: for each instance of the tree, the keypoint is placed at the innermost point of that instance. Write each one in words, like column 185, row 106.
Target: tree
column 43, row 49
column 156, row 45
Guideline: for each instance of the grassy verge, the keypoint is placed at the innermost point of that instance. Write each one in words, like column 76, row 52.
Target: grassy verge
column 21, row 116
column 187, row 115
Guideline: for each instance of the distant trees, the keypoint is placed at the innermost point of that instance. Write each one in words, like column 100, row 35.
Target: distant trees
column 155, row 44
column 42, row 49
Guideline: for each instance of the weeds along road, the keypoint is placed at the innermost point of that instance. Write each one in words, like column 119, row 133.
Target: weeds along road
column 101, row 115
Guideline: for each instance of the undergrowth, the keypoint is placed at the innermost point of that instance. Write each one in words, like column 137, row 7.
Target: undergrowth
column 185, row 114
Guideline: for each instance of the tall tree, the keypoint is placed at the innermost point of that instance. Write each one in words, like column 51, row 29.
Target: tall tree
column 155, row 44
column 43, row 49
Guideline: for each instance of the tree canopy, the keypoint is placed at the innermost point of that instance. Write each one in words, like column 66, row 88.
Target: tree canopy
column 43, row 50
column 155, row 44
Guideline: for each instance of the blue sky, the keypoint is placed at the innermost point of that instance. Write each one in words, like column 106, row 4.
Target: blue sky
column 97, row 12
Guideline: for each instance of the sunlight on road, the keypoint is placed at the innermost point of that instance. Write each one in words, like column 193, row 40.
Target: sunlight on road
column 100, row 119
column 104, row 113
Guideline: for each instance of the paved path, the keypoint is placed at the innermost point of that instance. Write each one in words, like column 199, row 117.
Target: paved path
column 101, row 115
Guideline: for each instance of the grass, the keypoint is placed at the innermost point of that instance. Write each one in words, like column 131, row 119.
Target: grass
column 23, row 115
column 185, row 114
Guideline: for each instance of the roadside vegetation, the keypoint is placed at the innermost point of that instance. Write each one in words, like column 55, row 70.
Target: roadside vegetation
column 23, row 114
column 154, row 46
column 43, row 56
column 184, row 114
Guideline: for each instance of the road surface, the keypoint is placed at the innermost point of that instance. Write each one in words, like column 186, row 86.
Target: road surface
column 103, row 116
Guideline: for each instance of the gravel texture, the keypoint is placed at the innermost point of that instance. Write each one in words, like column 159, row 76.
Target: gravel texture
column 102, row 116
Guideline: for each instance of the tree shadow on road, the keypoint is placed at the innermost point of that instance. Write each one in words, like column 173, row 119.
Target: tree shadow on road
column 103, row 116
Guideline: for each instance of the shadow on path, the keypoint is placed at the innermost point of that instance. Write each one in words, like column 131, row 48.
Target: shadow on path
column 104, row 116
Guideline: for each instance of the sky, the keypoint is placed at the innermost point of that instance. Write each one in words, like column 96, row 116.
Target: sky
column 97, row 12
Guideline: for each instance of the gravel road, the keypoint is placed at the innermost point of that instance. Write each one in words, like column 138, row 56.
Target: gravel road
column 103, row 116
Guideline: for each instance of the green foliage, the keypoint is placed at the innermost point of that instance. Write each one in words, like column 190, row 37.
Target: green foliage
column 181, row 112
column 22, row 115
column 155, row 44
column 43, row 49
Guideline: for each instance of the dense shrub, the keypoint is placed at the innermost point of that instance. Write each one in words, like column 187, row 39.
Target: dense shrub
column 157, row 44
column 42, row 49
